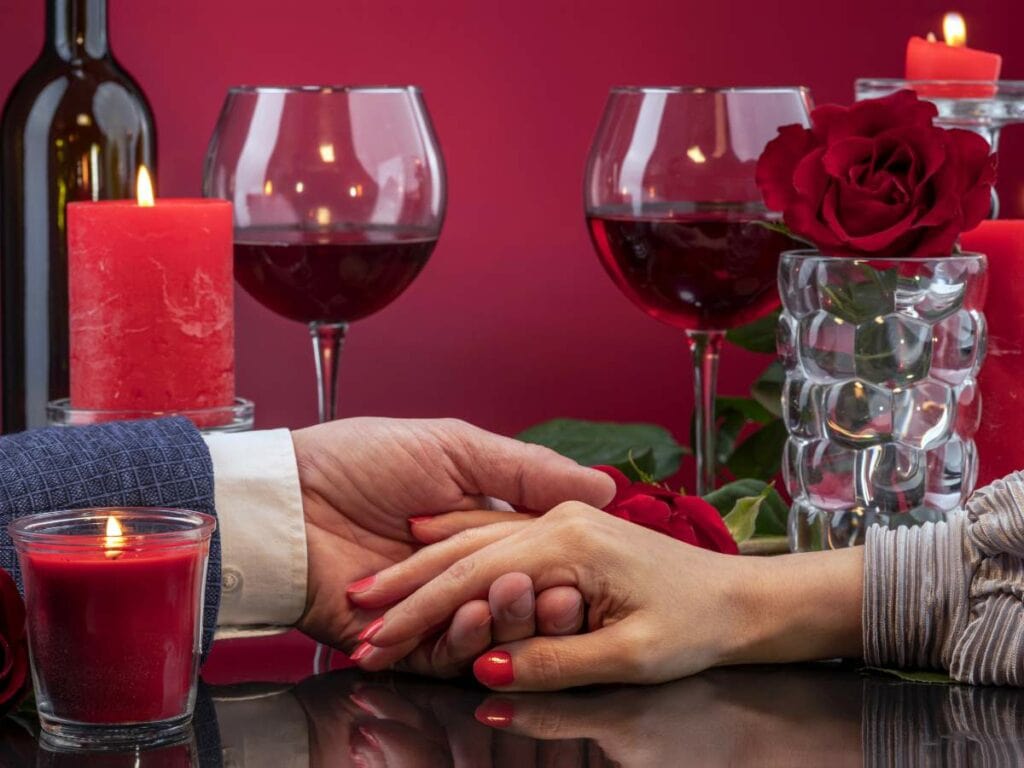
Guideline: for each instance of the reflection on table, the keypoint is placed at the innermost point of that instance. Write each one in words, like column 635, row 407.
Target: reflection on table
column 781, row 716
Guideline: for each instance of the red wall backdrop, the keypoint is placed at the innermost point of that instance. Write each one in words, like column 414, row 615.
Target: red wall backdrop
column 513, row 321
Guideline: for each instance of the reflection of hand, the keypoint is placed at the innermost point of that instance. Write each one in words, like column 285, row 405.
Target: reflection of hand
column 766, row 717
column 404, row 723
column 658, row 609
column 362, row 479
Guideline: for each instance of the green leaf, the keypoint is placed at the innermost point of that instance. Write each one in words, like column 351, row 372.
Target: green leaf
column 742, row 519
column 600, row 442
column 773, row 513
column 760, row 455
column 732, row 414
column 932, row 678
column 767, row 390
column 750, row 410
column 758, row 336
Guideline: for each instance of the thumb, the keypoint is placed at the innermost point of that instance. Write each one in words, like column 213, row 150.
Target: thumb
column 525, row 475
column 614, row 654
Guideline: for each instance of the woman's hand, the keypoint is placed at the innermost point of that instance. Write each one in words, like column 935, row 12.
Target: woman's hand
column 657, row 609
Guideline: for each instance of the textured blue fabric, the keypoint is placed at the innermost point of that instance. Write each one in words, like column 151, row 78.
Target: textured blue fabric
column 163, row 463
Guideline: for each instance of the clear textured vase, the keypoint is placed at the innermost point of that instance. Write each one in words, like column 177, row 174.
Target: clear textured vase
column 880, row 397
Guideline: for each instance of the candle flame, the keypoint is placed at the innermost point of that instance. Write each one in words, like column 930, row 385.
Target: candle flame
column 144, row 187
column 113, row 541
column 954, row 30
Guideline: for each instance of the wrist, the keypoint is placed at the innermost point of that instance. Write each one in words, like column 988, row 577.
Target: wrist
column 798, row 607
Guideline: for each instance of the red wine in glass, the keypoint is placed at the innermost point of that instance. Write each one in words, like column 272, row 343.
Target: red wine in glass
column 674, row 211
column 334, row 276
column 703, row 270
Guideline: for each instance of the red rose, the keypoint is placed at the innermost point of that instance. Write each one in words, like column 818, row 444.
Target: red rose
column 13, row 643
column 878, row 179
column 686, row 518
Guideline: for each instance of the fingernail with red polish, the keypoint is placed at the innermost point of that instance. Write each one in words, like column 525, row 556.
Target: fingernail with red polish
column 364, row 749
column 494, row 669
column 360, row 586
column 361, row 652
column 371, row 629
column 420, row 519
column 497, row 713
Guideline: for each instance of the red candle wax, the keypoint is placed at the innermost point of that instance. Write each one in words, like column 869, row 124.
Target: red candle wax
column 1000, row 449
column 115, row 640
column 933, row 60
column 151, row 305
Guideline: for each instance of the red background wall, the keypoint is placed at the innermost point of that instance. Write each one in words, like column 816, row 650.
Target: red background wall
column 513, row 321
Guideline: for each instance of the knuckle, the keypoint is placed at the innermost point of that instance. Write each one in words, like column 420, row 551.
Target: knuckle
column 546, row 665
column 575, row 529
column 453, row 428
column 463, row 539
column 638, row 655
column 569, row 510
column 462, row 571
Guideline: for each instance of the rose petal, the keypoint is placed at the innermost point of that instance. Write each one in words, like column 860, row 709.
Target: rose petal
column 774, row 172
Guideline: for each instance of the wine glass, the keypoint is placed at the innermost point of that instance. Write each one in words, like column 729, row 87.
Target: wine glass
column 677, row 219
column 339, row 197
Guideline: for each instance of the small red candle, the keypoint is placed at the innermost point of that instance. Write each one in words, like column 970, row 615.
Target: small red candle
column 1000, row 449
column 114, row 619
column 952, row 60
column 151, row 306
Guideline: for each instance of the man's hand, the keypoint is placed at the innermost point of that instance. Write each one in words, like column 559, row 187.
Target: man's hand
column 363, row 479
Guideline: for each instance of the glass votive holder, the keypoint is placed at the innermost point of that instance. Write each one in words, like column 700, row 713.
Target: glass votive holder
column 114, row 607
column 237, row 417
column 178, row 753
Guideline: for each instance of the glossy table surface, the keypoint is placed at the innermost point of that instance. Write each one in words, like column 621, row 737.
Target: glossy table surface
column 815, row 714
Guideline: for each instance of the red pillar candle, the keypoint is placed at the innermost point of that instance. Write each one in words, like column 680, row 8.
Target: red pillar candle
column 952, row 60
column 1000, row 449
column 151, row 306
column 113, row 607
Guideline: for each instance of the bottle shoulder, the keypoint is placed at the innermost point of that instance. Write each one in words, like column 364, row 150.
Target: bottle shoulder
column 52, row 90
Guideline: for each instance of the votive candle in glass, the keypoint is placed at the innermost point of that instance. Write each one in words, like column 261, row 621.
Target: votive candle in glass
column 114, row 605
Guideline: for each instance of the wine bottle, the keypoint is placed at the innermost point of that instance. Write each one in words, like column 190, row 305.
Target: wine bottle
column 75, row 127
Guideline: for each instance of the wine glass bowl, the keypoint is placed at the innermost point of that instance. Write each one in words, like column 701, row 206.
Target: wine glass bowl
column 339, row 198
column 677, row 220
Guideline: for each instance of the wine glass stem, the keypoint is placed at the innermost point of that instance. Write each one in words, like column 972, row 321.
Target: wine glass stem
column 705, row 346
column 328, row 339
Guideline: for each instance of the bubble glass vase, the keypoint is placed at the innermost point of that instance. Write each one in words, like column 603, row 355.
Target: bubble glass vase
column 880, row 398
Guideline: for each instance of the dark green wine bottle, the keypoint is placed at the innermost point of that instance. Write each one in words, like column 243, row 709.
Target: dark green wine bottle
column 75, row 127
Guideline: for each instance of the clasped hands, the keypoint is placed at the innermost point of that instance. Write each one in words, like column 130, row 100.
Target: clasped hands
column 523, row 575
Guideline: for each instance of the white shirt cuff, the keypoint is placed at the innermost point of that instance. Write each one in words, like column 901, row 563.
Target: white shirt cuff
column 263, row 532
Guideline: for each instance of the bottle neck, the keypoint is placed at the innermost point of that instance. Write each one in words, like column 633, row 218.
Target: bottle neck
column 77, row 29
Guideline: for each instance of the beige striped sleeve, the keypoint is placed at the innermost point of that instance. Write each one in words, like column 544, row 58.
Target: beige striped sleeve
column 951, row 595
